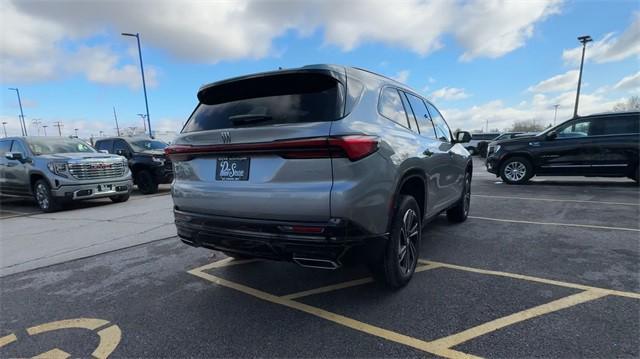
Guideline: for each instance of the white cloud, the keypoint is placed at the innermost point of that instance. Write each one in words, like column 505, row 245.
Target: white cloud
column 631, row 83
column 449, row 93
column 562, row 82
column 610, row 48
column 402, row 76
column 208, row 32
column 492, row 28
column 540, row 108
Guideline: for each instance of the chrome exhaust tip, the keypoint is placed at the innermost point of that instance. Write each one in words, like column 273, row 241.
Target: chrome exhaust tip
column 316, row 263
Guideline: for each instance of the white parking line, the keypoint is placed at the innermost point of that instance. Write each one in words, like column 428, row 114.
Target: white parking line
column 556, row 224
column 557, row 200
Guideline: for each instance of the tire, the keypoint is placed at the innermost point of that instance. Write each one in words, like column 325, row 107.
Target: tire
column 460, row 211
column 44, row 198
column 120, row 198
column 516, row 170
column 396, row 268
column 146, row 183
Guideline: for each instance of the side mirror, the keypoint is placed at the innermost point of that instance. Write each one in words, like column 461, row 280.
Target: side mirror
column 552, row 135
column 463, row 137
column 15, row 156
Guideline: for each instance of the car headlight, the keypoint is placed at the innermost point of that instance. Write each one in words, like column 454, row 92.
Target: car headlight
column 158, row 159
column 59, row 168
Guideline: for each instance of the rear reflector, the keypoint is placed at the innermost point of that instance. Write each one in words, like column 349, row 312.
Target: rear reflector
column 353, row 147
column 301, row 229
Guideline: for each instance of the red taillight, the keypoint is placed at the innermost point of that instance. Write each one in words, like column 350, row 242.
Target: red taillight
column 353, row 147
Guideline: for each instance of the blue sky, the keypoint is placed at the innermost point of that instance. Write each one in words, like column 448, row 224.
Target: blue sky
column 496, row 61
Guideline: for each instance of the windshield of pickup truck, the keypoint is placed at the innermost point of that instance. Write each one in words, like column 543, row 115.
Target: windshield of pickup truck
column 47, row 146
column 145, row 145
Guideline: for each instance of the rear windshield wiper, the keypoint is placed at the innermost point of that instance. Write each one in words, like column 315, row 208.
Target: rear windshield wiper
column 249, row 118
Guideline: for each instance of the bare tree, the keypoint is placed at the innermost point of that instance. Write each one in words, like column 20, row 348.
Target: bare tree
column 527, row 126
column 632, row 104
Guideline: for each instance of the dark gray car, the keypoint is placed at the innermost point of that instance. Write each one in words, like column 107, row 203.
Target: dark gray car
column 308, row 164
column 55, row 170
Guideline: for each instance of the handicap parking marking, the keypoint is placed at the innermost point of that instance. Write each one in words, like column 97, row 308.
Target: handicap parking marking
column 557, row 200
column 440, row 346
column 555, row 224
column 109, row 334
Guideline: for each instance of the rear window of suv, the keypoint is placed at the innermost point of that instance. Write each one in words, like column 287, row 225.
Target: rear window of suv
column 268, row 100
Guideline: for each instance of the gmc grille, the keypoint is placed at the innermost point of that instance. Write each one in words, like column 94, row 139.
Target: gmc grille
column 96, row 170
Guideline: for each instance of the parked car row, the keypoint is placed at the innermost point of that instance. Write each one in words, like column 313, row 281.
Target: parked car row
column 57, row 170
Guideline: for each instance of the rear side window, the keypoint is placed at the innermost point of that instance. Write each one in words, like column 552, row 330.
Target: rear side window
column 268, row 100
column 120, row 145
column 5, row 146
column 390, row 106
column 621, row 125
column 104, row 145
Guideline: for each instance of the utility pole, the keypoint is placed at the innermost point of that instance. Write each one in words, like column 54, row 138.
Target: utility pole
column 4, row 127
column 44, row 127
column 583, row 40
column 144, row 85
column 23, row 125
column 59, row 125
column 487, row 125
column 555, row 113
column 115, row 117
column 36, row 122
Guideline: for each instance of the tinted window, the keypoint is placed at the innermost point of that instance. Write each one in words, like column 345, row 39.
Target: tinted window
column 268, row 100
column 573, row 129
column 120, row 145
column 16, row 146
column 145, row 145
column 486, row 136
column 50, row 145
column 620, row 125
column 5, row 146
column 390, row 106
column 104, row 145
column 422, row 115
column 442, row 129
column 412, row 117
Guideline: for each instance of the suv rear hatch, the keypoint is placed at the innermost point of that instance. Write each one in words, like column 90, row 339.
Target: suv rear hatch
column 257, row 147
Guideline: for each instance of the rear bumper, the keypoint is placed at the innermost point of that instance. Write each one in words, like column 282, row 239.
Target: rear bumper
column 271, row 239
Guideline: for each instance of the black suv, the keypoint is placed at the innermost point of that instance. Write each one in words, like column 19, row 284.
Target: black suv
column 147, row 161
column 603, row 145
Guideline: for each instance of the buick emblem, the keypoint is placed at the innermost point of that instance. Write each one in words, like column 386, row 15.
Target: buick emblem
column 226, row 137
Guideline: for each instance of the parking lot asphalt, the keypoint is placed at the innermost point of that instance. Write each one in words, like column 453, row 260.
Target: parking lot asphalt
column 548, row 269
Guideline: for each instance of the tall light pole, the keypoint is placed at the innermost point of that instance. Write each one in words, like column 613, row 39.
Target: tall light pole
column 115, row 117
column 144, row 85
column 44, row 127
column 143, row 116
column 23, row 125
column 4, row 127
column 583, row 40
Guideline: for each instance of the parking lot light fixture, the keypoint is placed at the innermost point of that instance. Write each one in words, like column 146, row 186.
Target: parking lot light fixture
column 4, row 127
column 583, row 40
column 144, row 85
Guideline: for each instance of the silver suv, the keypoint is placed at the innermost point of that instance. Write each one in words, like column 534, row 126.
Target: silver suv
column 309, row 164
column 55, row 170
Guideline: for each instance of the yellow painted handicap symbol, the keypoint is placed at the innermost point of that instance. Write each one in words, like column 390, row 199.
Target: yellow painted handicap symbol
column 109, row 335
